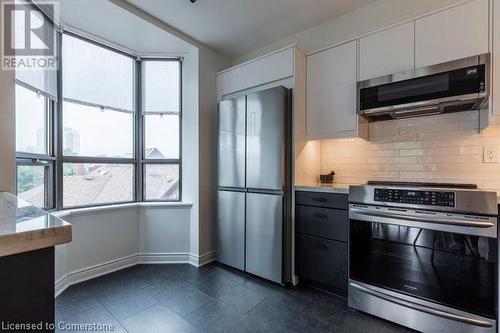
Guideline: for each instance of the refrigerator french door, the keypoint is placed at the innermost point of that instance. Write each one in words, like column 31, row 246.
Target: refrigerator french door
column 253, row 180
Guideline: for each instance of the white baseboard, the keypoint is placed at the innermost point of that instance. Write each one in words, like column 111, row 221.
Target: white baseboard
column 118, row 264
column 204, row 259
column 93, row 272
column 163, row 258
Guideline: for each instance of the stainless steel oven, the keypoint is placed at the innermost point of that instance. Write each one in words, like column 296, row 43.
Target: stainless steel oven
column 424, row 255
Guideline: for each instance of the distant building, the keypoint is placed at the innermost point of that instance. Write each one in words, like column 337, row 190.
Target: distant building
column 71, row 141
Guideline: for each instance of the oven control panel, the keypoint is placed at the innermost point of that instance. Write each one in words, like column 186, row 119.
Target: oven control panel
column 428, row 198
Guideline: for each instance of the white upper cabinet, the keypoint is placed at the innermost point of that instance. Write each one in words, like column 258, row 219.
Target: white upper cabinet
column 263, row 70
column 387, row 52
column 451, row 34
column 331, row 93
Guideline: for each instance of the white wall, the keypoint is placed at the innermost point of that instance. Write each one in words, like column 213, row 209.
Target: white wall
column 101, row 237
column 369, row 18
column 164, row 230
column 190, row 144
column 209, row 64
column 113, row 238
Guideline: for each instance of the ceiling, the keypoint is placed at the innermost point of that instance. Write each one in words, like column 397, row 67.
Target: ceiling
column 111, row 23
column 237, row 27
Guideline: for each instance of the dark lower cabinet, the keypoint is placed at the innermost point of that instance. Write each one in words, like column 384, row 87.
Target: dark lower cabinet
column 327, row 200
column 321, row 222
column 323, row 263
column 27, row 291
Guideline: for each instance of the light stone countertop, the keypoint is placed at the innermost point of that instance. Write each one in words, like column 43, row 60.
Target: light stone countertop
column 24, row 227
column 327, row 188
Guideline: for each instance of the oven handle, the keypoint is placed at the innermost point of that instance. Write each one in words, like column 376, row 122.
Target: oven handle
column 418, row 307
column 429, row 219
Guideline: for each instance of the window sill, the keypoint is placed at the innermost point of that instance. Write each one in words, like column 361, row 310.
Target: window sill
column 68, row 212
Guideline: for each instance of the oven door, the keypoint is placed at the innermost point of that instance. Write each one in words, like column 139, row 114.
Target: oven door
column 446, row 259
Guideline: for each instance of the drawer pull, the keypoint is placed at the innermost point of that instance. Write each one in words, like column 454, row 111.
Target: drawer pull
column 320, row 215
column 319, row 199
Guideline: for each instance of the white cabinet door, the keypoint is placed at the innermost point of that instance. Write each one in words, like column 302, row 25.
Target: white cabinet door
column 387, row 52
column 331, row 93
column 455, row 33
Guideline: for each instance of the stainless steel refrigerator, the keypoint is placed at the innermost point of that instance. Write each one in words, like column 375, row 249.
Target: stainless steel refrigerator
column 254, row 178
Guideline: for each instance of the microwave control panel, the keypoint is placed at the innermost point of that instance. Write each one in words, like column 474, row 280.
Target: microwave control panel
column 427, row 198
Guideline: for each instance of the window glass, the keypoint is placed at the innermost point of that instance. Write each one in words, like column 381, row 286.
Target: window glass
column 90, row 131
column 94, row 74
column 161, row 137
column 161, row 86
column 93, row 183
column 31, row 180
column 31, row 125
column 161, row 182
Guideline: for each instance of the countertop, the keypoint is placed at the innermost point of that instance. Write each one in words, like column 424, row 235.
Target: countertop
column 328, row 188
column 333, row 188
column 24, row 227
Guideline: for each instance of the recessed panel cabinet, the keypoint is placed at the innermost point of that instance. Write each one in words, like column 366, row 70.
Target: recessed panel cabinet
column 331, row 93
column 451, row 34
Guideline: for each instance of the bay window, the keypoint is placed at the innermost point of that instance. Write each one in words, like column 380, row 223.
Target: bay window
column 111, row 135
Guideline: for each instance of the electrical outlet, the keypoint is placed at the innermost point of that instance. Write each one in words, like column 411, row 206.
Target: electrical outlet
column 490, row 154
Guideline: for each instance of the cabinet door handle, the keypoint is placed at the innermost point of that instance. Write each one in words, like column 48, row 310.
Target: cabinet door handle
column 319, row 199
column 320, row 215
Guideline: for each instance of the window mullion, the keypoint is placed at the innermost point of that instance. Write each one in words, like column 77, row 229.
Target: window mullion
column 139, row 133
column 58, row 126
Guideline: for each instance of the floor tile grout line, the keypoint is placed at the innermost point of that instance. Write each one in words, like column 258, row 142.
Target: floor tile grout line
column 253, row 307
column 118, row 320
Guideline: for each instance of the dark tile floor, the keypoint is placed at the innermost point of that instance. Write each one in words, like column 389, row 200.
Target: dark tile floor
column 213, row 298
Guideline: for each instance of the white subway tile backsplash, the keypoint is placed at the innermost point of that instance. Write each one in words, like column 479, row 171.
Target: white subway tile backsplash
column 444, row 148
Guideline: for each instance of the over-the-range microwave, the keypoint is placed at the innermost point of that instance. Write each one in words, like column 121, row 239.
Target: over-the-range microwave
column 454, row 86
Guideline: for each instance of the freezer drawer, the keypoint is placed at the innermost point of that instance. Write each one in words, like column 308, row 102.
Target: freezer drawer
column 231, row 151
column 231, row 229
column 266, row 116
column 264, row 236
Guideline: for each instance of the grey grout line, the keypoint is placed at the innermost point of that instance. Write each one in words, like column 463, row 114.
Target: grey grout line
column 123, row 325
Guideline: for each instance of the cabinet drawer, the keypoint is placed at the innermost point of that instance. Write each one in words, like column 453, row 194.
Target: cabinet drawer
column 323, row 262
column 328, row 200
column 322, row 222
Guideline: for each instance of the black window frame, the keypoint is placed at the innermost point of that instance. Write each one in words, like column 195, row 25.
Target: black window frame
column 46, row 160
column 142, row 133
column 62, row 159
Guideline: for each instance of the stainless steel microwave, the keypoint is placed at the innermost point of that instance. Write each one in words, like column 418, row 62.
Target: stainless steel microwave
column 454, row 86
